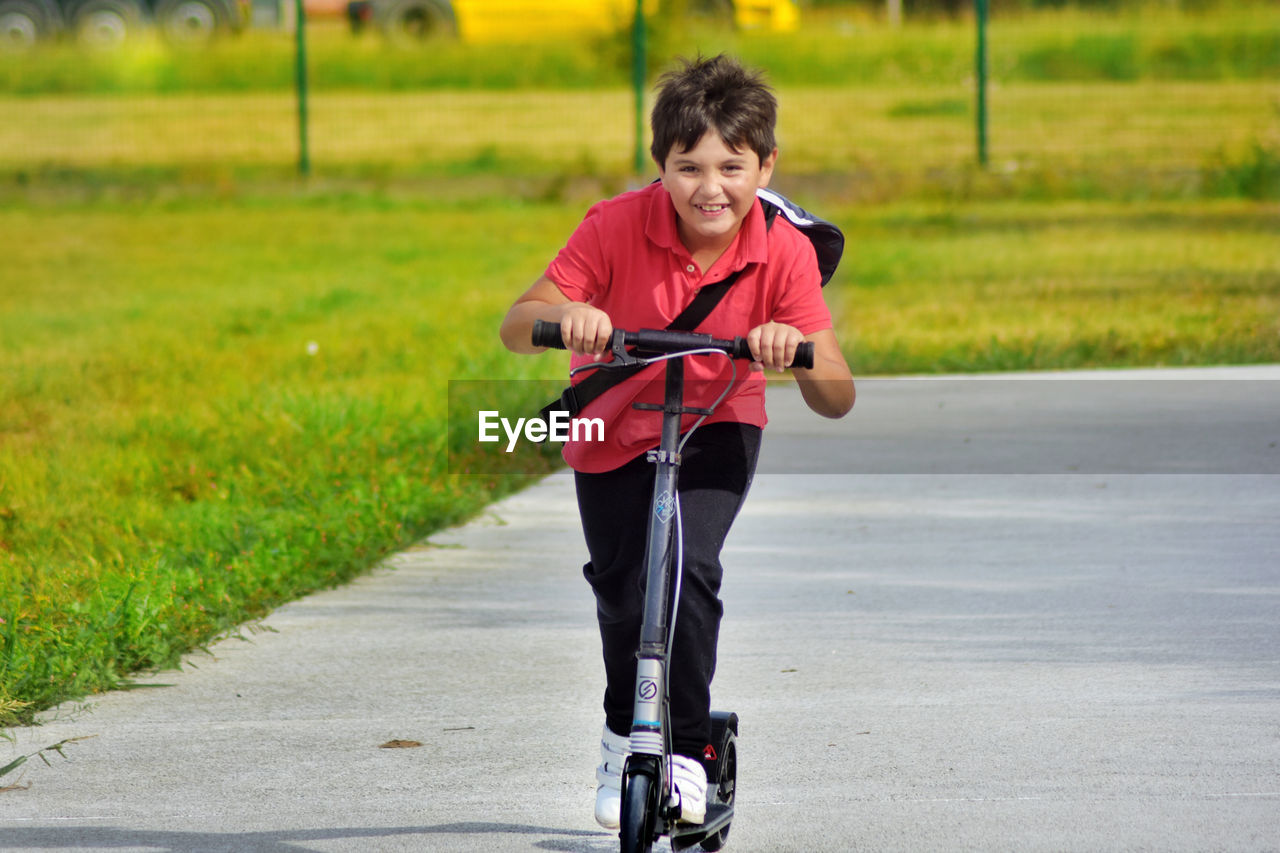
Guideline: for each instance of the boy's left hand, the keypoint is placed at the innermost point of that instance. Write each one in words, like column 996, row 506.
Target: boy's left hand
column 773, row 346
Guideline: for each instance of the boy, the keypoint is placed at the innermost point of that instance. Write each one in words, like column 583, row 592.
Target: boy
column 637, row 260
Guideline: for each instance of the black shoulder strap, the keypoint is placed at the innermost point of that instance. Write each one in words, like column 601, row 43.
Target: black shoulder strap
column 703, row 304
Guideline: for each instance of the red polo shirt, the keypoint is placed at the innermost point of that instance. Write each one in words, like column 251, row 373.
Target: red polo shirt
column 626, row 259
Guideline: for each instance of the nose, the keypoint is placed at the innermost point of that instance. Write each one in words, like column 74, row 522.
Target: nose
column 709, row 187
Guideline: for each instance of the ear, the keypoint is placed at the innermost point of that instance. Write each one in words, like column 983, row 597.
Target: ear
column 766, row 168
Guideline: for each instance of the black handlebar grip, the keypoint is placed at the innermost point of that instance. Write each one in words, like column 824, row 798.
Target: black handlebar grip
column 547, row 335
column 740, row 349
column 804, row 355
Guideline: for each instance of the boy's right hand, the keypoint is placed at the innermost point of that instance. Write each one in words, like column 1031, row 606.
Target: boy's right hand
column 585, row 329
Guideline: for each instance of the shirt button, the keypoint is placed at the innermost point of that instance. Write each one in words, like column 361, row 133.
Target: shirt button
column 691, row 268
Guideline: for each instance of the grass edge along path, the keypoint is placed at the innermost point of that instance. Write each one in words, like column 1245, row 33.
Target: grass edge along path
column 187, row 440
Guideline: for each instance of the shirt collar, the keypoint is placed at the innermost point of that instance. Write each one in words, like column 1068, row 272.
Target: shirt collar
column 750, row 245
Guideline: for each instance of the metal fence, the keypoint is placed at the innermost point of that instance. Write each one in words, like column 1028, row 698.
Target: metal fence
column 879, row 110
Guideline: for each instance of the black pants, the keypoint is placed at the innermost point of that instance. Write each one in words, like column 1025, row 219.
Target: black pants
column 716, row 470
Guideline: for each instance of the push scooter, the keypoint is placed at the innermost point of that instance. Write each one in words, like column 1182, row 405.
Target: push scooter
column 649, row 810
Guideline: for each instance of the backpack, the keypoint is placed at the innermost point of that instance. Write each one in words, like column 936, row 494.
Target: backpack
column 828, row 245
column 827, row 239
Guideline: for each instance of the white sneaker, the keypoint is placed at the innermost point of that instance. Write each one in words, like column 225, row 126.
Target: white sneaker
column 689, row 785
column 614, row 750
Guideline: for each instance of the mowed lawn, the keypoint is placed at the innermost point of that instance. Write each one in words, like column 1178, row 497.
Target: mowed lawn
column 895, row 136
column 209, row 408
column 1017, row 286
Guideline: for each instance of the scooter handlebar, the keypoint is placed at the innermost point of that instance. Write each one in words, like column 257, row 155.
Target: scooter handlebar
column 665, row 341
column 547, row 335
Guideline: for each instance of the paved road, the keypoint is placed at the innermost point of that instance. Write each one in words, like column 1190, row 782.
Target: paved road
column 1005, row 615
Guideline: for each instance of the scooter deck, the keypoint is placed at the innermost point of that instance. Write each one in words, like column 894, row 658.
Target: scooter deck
column 686, row 835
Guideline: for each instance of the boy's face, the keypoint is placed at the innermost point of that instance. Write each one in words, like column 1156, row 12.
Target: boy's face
column 713, row 188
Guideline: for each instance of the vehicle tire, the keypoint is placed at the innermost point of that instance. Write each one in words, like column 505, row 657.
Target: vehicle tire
column 639, row 813
column 415, row 21
column 106, row 23
column 726, row 781
column 25, row 22
column 191, row 22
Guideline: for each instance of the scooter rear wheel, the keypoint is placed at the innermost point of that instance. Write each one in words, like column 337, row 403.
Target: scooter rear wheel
column 639, row 813
column 725, row 782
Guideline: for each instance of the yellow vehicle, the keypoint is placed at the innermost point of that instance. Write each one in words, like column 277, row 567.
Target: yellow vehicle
column 533, row 20
column 779, row 16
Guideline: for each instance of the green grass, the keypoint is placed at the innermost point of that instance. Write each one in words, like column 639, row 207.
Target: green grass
column 835, row 47
column 174, row 460
column 1152, row 103
column 983, row 287
column 1090, row 140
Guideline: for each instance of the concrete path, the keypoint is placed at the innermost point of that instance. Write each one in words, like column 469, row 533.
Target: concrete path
column 991, row 614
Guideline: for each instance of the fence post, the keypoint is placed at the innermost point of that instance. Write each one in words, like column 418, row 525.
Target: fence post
column 980, row 61
column 894, row 12
column 638, row 64
column 300, row 75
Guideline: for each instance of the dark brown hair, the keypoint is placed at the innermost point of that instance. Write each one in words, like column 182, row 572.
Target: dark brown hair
column 713, row 94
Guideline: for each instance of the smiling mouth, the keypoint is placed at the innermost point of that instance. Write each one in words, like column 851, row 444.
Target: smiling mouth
column 712, row 208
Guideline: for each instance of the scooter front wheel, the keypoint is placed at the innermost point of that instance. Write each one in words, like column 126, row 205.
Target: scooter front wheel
column 639, row 813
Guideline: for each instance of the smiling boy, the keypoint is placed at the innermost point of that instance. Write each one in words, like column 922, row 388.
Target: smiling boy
column 638, row 260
